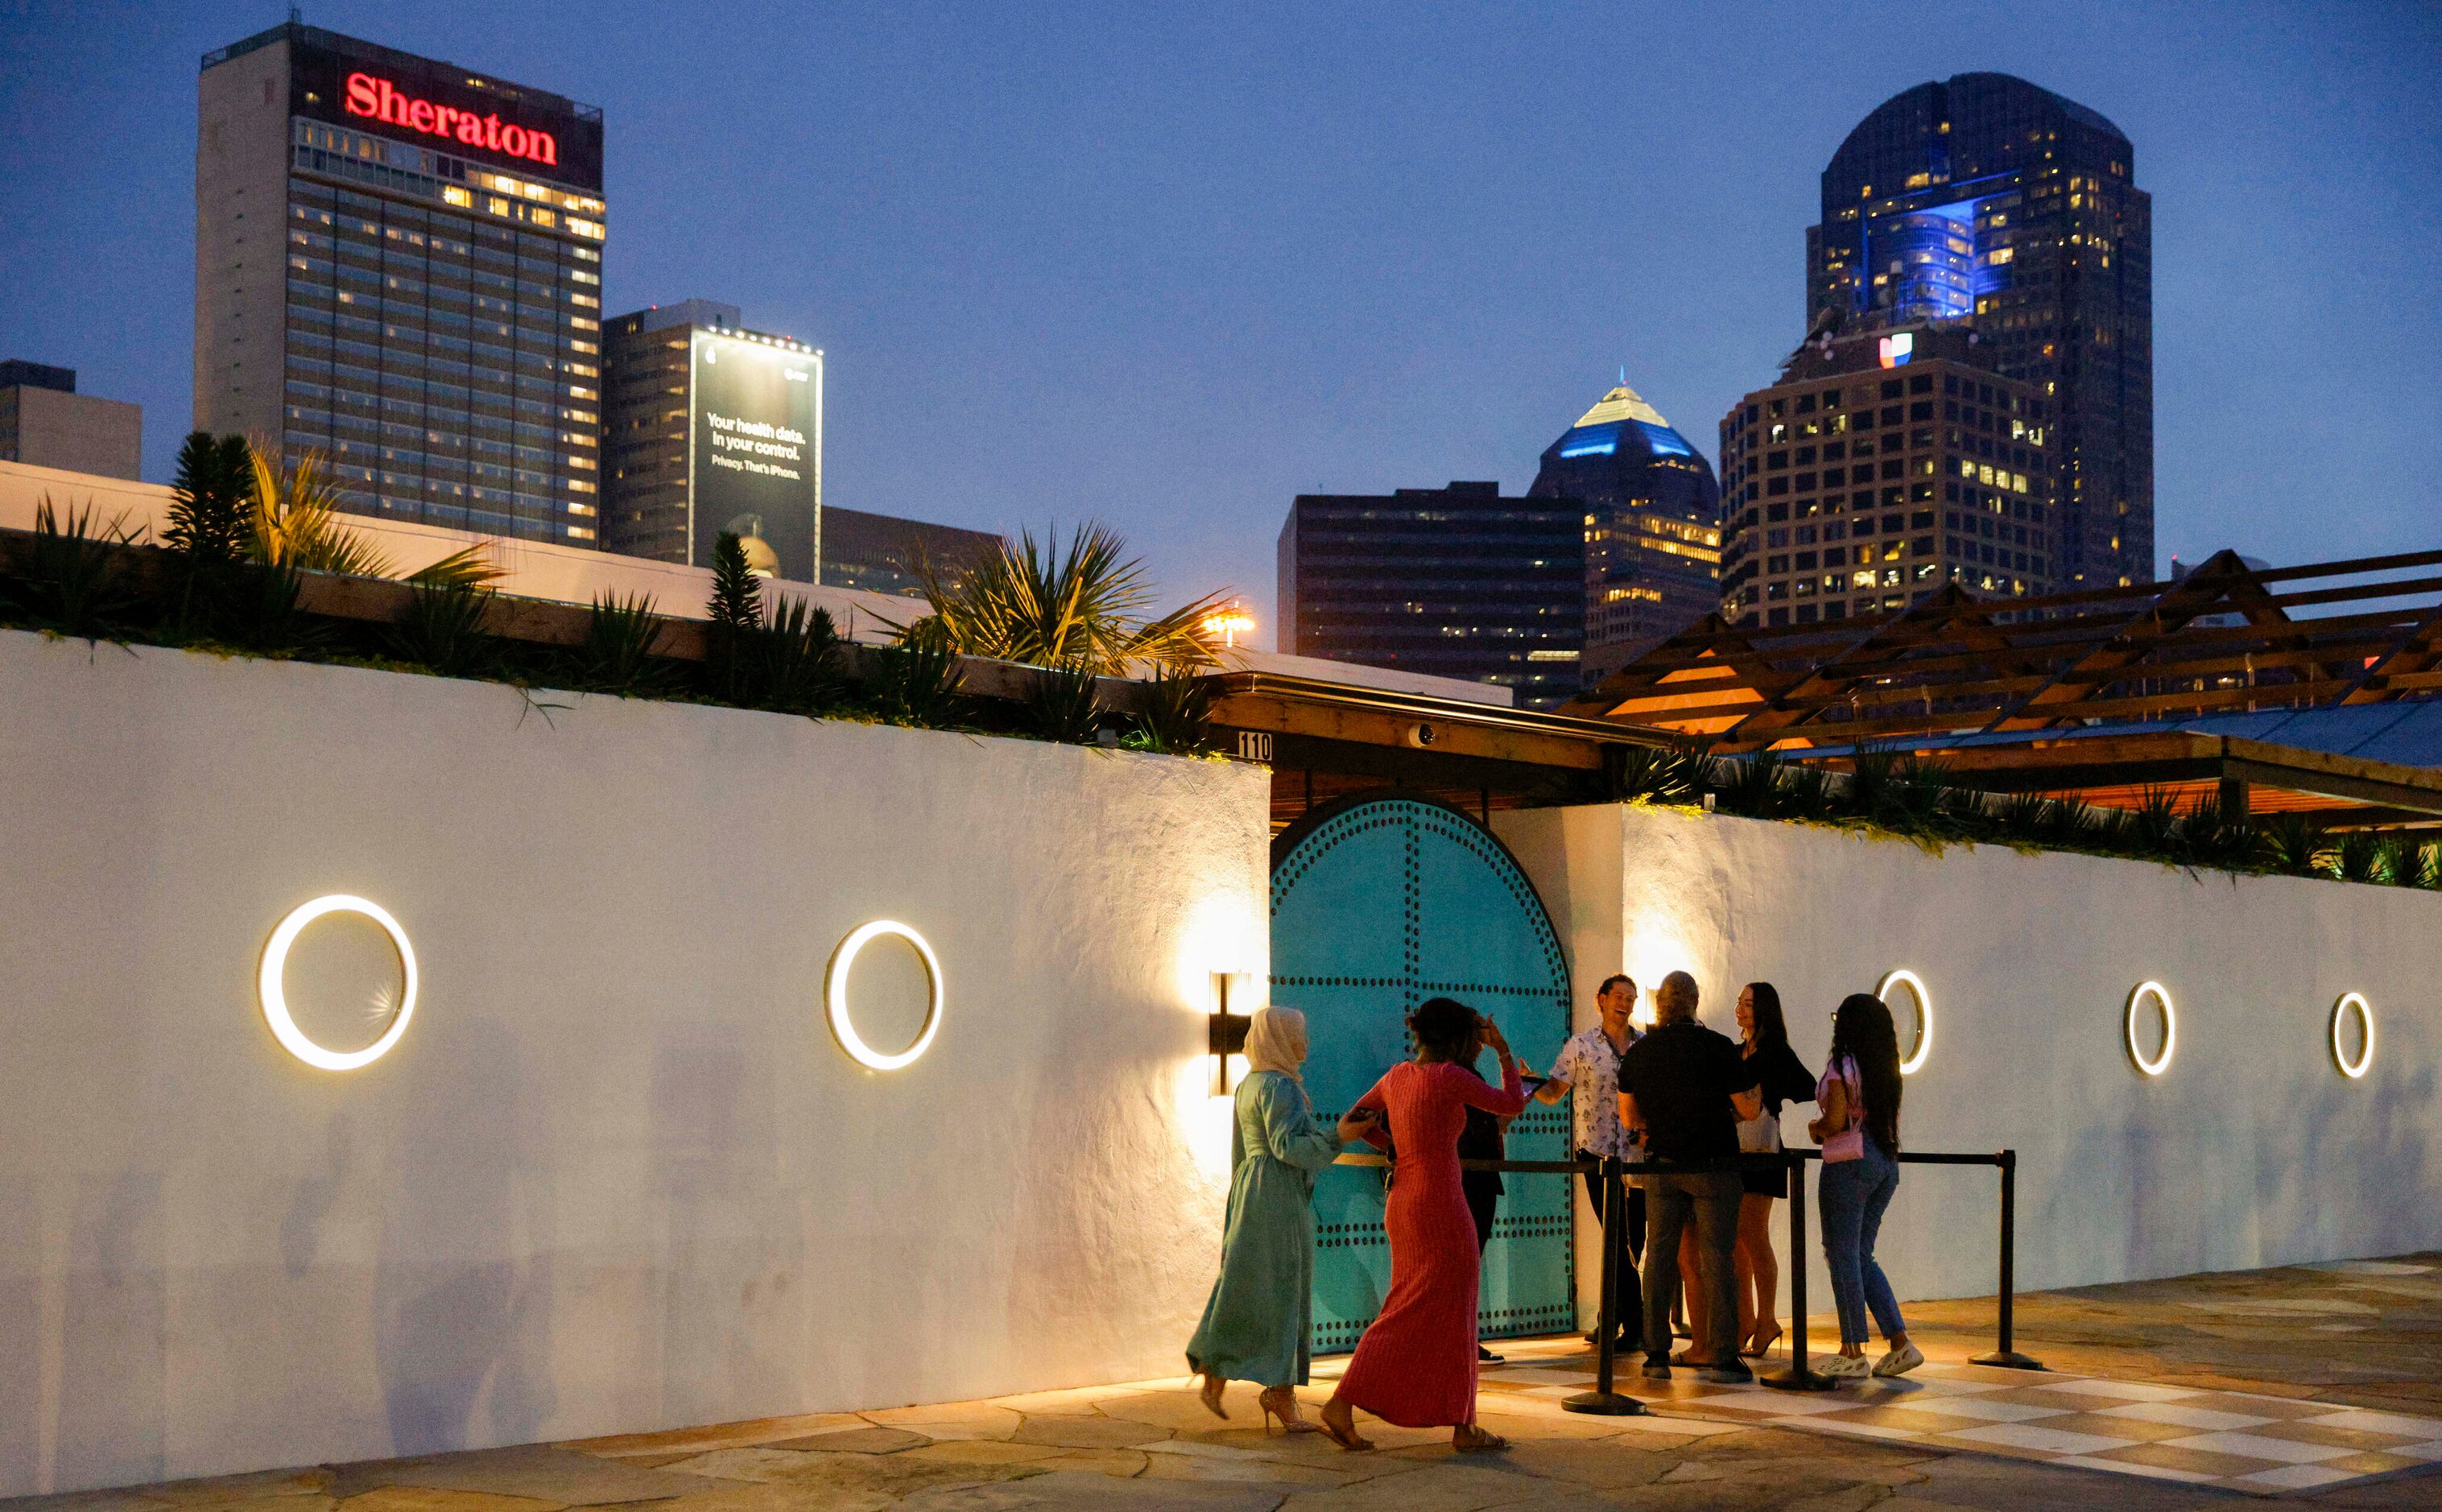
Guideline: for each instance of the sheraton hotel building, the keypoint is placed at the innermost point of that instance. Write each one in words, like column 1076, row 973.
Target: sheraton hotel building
column 398, row 264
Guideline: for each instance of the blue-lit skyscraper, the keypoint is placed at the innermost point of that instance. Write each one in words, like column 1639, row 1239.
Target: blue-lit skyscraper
column 1987, row 201
column 1652, row 521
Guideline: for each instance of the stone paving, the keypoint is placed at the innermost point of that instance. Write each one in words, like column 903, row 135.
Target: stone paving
column 1151, row 1445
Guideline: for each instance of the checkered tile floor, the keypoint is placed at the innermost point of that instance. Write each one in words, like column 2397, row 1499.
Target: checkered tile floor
column 2228, row 1439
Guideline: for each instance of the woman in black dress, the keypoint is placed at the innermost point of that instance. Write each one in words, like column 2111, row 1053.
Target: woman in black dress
column 1782, row 1078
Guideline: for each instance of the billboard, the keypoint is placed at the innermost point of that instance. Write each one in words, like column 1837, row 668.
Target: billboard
column 756, row 448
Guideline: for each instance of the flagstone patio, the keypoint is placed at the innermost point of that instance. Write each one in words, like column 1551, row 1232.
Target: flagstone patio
column 2320, row 1383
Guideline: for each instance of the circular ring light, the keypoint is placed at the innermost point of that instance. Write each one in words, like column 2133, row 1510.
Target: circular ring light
column 2353, row 1069
column 1923, row 1015
column 272, row 990
column 2170, row 1028
column 835, row 994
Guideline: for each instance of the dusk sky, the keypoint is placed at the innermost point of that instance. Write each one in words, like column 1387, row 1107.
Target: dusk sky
column 1168, row 266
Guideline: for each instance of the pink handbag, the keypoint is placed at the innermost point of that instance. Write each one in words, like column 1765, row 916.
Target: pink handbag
column 1849, row 1143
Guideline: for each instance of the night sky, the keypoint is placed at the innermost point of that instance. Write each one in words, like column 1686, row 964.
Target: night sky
column 1168, row 266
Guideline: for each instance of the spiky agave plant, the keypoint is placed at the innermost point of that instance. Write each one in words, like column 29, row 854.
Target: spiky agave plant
column 2401, row 861
column 621, row 650
column 1921, row 796
column 2296, row 844
column 1646, row 774
column 1805, row 792
column 917, row 680
column 442, row 629
column 1870, row 780
column 1085, row 604
column 2215, row 835
column 1754, row 789
column 796, row 661
column 2155, row 827
column 1064, row 704
column 70, row 577
column 1177, row 716
column 2024, row 817
column 2359, row 857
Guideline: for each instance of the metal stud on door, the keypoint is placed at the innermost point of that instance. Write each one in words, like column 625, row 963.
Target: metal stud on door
column 1376, row 905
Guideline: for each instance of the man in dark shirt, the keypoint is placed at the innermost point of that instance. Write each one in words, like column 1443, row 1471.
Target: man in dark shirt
column 1686, row 1086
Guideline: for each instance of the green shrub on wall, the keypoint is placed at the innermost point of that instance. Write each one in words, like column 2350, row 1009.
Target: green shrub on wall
column 244, row 534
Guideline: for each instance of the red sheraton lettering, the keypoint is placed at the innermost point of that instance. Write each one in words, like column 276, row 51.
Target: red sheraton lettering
column 376, row 98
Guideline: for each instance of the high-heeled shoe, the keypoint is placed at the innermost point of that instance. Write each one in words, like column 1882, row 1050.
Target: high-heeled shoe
column 1214, row 1386
column 1761, row 1345
column 1343, row 1433
column 1281, row 1402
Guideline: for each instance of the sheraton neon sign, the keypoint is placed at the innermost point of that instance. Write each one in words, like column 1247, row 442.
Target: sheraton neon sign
column 376, row 99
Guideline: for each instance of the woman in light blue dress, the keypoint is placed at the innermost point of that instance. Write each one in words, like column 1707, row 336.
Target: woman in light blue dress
column 1256, row 1324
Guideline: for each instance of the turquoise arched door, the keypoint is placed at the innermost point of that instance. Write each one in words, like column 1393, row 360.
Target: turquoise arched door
column 1378, row 903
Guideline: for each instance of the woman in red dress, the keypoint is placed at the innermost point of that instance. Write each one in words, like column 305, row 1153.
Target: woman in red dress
column 1416, row 1366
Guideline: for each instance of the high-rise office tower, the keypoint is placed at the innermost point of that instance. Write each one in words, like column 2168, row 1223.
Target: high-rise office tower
column 398, row 264
column 878, row 552
column 711, row 429
column 1652, row 521
column 1455, row 582
column 1986, row 200
column 1878, row 469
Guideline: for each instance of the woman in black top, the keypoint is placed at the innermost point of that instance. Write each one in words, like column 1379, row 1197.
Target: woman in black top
column 1782, row 1078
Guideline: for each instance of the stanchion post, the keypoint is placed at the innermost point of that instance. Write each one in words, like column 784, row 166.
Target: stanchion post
column 1799, row 1376
column 1603, row 1401
column 2007, row 1357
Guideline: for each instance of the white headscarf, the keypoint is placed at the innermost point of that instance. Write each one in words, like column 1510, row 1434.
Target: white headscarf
column 1276, row 1042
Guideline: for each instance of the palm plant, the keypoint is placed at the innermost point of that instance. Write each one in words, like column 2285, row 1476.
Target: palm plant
column 918, row 681
column 620, row 653
column 295, row 524
column 1083, row 604
column 70, row 580
column 1062, row 706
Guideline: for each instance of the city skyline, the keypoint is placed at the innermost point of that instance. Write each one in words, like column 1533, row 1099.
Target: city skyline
column 1172, row 281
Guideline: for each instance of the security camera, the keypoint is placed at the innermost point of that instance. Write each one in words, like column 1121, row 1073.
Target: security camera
column 1421, row 735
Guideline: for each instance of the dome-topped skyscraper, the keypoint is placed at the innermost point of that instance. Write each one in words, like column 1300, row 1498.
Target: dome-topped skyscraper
column 1654, row 526
column 1984, row 199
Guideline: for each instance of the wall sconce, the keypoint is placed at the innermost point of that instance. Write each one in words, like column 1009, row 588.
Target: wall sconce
column 1914, row 1059
column 1227, row 1036
column 2352, row 1068
column 271, row 986
column 835, row 995
column 2160, row 996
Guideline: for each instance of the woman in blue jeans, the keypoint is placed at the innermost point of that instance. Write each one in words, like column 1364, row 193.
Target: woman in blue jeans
column 1859, row 1132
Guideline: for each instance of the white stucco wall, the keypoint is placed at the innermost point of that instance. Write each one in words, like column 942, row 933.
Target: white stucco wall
column 616, row 1176
column 2251, row 1150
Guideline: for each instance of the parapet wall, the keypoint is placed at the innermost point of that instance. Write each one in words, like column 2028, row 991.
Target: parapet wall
column 2251, row 1148
column 616, row 1175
